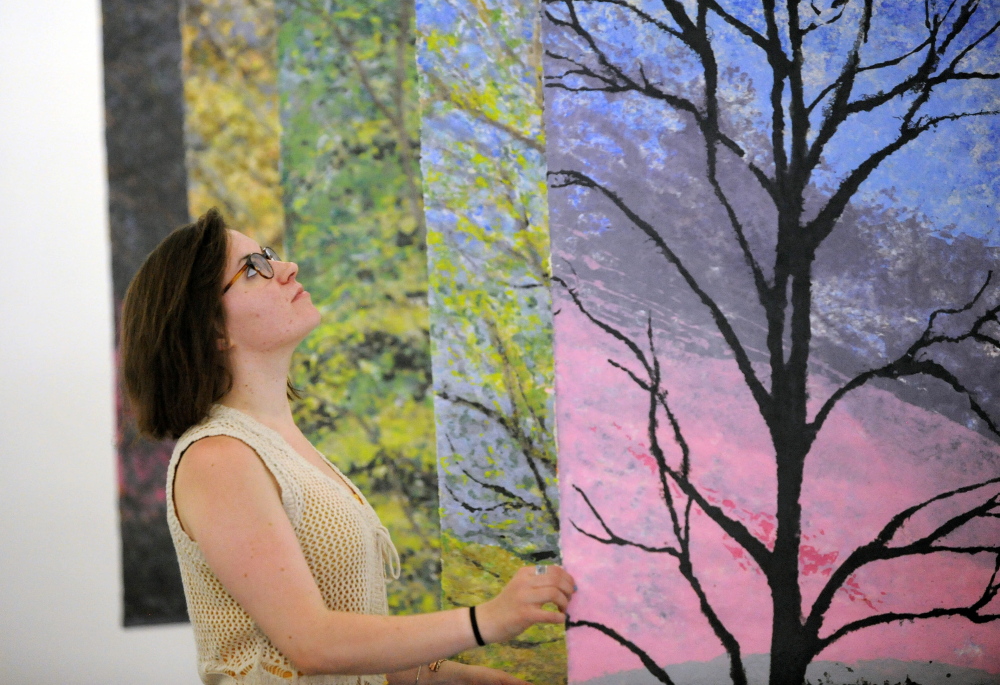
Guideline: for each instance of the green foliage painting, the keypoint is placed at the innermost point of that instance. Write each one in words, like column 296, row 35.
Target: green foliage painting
column 231, row 129
column 354, row 213
column 491, row 319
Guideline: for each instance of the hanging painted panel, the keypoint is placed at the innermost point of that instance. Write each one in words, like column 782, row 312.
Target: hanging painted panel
column 354, row 209
column 484, row 183
column 775, row 231
column 231, row 129
column 147, row 197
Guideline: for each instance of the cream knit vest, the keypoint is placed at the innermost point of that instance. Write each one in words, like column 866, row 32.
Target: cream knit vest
column 344, row 543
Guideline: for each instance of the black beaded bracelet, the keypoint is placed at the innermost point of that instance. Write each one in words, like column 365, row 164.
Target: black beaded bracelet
column 475, row 627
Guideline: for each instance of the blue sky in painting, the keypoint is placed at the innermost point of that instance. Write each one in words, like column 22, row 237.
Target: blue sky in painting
column 962, row 195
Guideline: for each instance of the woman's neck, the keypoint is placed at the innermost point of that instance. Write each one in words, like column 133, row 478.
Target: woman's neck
column 260, row 389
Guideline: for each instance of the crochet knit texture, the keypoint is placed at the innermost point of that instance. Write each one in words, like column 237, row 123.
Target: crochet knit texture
column 344, row 543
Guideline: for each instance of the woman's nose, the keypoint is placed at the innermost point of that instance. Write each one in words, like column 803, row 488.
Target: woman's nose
column 286, row 271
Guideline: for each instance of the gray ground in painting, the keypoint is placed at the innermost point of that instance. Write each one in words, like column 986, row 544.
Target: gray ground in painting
column 878, row 672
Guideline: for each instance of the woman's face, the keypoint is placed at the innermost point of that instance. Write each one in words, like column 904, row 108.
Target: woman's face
column 262, row 314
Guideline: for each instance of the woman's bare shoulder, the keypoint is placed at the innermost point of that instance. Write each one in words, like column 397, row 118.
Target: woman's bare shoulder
column 218, row 456
column 221, row 473
column 213, row 446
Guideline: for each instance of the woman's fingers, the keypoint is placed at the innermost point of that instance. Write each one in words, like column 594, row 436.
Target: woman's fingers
column 550, row 575
column 546, row 616
column 520, row 604
column 501, row 678
column 564, row 585
column 544, row 595
column 557, row 585
column 553, row 575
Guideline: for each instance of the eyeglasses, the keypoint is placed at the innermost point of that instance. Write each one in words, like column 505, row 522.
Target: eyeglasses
column 257, row 263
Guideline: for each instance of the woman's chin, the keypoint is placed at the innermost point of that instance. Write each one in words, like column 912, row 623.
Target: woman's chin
column 310, row 324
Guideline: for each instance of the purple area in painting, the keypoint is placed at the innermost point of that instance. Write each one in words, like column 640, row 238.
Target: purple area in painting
column 903, row 400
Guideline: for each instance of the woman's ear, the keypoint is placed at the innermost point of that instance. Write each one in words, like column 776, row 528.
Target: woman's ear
column 222, row 338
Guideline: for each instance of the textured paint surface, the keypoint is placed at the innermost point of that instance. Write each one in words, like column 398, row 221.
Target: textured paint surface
column 351, row 188
column 756, row 401
column 484, row 183
column 147, row 198
column 231, row 129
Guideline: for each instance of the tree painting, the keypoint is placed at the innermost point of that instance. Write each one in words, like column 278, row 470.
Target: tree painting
column 775, row 240
column 482, row 148
column 354, row 213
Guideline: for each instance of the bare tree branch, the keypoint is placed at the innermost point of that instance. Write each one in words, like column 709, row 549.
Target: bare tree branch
column 732, row 527
column 644, row 16
column 616, row 80
column 969, row 8
column 760, row 282
column 614, row 539
column 478, row 510
column 760, row 394
column 923, row 80
column 910, row 363
column 532, row 454
column 871, row 67
column 500, row 490
column 759, row 40
column 972, row 612
column 823, row 224
column 646, row 660
column 821, row 24
column 878, row 549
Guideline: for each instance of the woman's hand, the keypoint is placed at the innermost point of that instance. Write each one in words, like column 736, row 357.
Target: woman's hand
column 454, row 673
column 519, row 604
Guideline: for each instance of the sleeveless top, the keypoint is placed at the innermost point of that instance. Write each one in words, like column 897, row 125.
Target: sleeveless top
column 345, row 545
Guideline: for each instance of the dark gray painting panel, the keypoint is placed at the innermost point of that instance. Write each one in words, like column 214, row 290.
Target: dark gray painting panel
column 147, row 185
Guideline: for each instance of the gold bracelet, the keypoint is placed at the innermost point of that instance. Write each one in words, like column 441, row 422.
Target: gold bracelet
column 417, row 681
column 436, row 666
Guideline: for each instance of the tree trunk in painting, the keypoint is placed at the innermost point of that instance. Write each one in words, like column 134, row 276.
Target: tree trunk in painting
column 590, row 56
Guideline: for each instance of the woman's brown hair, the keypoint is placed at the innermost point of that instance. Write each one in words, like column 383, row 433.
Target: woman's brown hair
column 173, row 365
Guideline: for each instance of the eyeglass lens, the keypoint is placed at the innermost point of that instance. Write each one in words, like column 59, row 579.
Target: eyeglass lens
column 261, row 262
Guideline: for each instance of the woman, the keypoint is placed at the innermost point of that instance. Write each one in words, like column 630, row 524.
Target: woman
column 282, row 558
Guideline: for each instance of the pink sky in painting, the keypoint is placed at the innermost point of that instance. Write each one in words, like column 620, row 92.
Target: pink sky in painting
column 875, row 456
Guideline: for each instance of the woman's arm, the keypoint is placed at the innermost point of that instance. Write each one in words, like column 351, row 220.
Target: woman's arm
column 228, row 501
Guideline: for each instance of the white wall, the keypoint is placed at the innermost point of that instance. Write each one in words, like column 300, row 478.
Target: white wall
column 60, row 594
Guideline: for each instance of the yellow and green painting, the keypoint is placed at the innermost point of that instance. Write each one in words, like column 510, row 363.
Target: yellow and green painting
column 231, row 129
column 354, row 224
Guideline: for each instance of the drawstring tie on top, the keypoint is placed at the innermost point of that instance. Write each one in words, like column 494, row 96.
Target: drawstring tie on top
column 390, row 557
